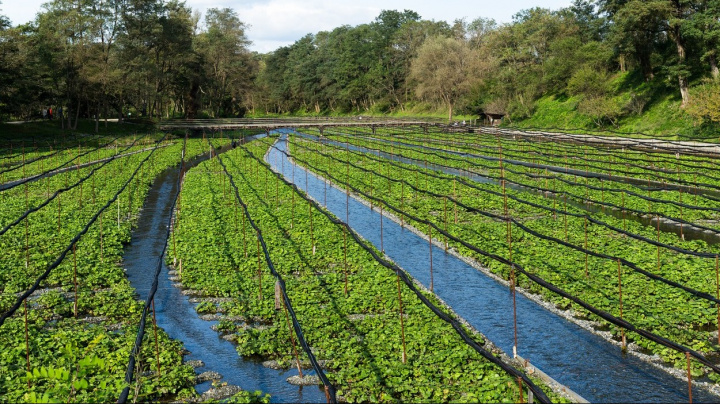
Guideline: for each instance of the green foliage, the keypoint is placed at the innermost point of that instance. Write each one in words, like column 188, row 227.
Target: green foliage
column 705, row 102
column 358, row 334
column 650, row 305
column 82, row 359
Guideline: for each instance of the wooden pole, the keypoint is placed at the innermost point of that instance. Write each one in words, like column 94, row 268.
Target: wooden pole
column 402, row 203
column 292, row 341
column 157, row 343
column 102, row 244
column 382, row 244
column 432, row 286
column 345, row 259
column 455, row 204
column 682, row 235
column 689, row 377
column 402, row 320
column 586, row 247
column 371, row 190
column 259, row 269
column 446, row 223
column 75, row 280
column 717, row 290
column 657, row 219
column 244, row 237
column 623, row 211
column 312, row 232
column 512, row 289
column 565, row 216
column 27, row 340
column 520, row 386
column 27, row 230
column 622, row 330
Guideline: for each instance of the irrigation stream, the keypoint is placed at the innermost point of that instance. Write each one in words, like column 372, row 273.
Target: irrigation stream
column 585, row 362
column 177, row 316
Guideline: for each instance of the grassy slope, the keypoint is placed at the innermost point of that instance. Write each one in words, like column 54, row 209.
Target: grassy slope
column 661, row 115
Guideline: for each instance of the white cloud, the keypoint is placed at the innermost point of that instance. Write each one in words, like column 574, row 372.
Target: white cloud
column 280, row 22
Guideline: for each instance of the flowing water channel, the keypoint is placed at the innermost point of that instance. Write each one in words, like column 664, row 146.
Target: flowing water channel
column 176, row 314
column 585, row 362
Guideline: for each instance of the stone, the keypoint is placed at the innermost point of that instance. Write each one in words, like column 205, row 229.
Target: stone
column 307, row 380
column 195, row 363
column 207, row 376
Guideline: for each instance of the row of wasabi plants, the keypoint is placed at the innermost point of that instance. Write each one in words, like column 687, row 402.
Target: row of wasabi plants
column 349, row 306
column 589, row 254
column 70, row 341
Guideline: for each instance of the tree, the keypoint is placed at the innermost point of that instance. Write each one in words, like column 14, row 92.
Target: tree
column 703, row 27
column 229, row 68
column 445, row 69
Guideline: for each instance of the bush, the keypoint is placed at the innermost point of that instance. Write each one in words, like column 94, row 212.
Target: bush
column 705, row 102
column 601, row 110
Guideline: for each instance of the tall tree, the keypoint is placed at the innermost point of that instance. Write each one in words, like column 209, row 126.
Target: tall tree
column 703, row 27
column 445, row 69
column 229, row 67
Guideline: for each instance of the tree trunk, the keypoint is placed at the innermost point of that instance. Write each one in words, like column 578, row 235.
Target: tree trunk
column 450, row 112
column 714, row 67
column 684, row 92
column 646, row 67
column 77, row 116
column 682, row 80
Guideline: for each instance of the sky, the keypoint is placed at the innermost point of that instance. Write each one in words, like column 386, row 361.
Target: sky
column 275, row 23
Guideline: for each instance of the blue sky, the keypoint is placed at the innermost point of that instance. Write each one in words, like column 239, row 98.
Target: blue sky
column 274, row 23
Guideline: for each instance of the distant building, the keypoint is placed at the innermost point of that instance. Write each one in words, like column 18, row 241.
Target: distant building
column 494, row 119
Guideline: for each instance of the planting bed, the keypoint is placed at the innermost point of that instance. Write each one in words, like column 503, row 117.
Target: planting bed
column 669, row 285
